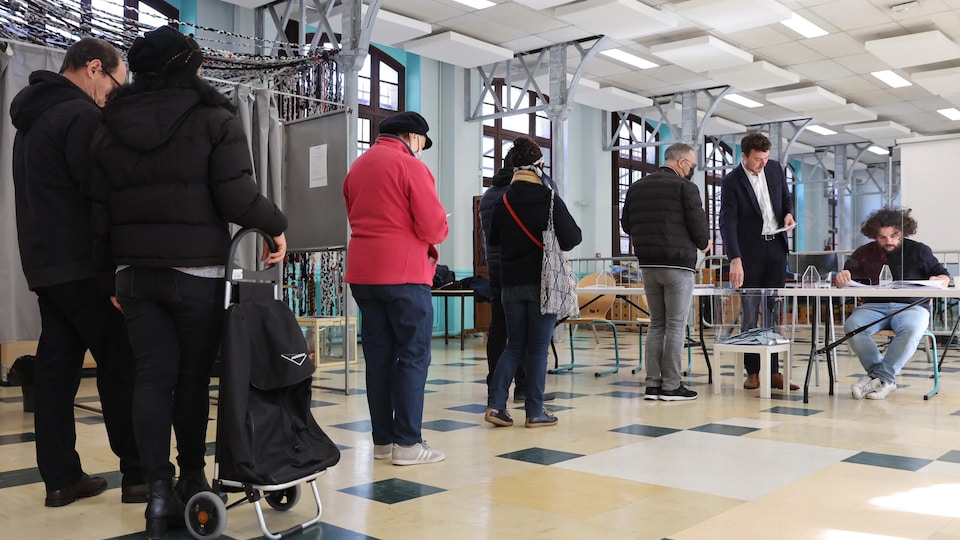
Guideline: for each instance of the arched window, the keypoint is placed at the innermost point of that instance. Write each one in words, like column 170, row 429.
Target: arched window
column 499, row 133
column 629, row 165
column 380, row 94
column 718, row 162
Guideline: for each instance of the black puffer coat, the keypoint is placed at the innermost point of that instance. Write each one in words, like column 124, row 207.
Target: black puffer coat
column 493, row 195
column 55, row 121
column 173, row 168
column 664, row 217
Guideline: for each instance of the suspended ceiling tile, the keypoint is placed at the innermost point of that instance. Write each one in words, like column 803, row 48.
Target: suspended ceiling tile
column 389, row 29
column 834, row 45
column 702, row 53
column 808, row 98
column 565, row 34
column 458, row 49
column 914, row 49
column 612, row 98
column 473, row 25
column 941, row 82
column 733, row 15
column 517, row 16
column 527, row 43
column 756, row 76
column 882, row 129
column 788, row 54
column 849, row 14
column 542, row 4
column 821, row 70
column 847, row 114
column 617, row 18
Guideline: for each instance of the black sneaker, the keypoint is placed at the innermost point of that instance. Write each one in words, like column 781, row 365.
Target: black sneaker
column 521, row 396
column 652, row 393
column 500, row 418
column 682, row 393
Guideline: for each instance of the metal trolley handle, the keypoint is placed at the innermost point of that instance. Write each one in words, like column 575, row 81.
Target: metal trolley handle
column 235, row 274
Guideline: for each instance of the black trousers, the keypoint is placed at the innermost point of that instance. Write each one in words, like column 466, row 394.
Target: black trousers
column 767, row 270
column 76, row 316
column 497, row 330
column 174, row 322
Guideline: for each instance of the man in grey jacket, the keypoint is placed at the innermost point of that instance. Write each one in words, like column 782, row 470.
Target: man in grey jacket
column 664, row 216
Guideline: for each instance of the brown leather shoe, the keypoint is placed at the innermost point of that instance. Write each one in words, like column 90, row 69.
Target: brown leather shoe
column 776, row 381
column 752, row 382
column 86, row 486
column 133, row 494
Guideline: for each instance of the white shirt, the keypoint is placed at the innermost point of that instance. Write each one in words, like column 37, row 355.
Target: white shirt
column 759, row 183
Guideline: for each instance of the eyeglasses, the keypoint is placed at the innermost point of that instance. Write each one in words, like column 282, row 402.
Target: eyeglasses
column 112, row 78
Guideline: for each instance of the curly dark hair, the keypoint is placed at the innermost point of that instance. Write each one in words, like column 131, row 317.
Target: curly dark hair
column 899, row 218
column 525, row 152
column 754, row 141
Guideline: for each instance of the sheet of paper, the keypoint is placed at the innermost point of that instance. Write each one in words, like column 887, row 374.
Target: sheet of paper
column 318, row 166
column 785, row 229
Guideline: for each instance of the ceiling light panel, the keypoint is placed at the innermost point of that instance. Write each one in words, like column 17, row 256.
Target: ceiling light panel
column 620, row 19
column 390, row 28
column 458, row 49
column 914, row 49
column 820, row 130
column 759, row 75
column 952, row 113
column 803, row 27
column 879, row 151
column 733, row 15
column 742, row 101
column 942, row 82
column 476, row 4
column 702, row 53
column 891, row 79
column 628, row 58
column 808, row 98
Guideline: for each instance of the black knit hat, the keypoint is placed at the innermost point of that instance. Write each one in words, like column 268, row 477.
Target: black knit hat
column 162, row 51
column 406, row 122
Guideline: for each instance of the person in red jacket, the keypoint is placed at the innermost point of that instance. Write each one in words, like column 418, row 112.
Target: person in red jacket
column 396, row 220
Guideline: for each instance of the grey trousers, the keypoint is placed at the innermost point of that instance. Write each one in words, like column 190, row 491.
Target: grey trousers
column 669, row 293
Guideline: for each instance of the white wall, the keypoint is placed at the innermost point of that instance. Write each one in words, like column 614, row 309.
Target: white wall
column 927, row 166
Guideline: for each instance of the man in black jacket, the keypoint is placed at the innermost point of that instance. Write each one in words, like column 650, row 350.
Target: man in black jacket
column 663, row 215
column 56, row 117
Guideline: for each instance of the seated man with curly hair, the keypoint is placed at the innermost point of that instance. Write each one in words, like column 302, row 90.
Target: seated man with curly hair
column 908, row 260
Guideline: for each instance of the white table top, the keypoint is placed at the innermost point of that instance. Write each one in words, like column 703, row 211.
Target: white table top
column 863, row 292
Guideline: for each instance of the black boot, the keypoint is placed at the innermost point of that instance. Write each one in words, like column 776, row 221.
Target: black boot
column 191, row 483
column 163, row 508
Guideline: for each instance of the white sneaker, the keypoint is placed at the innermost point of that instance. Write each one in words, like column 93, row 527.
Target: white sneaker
column 416, row 454
column 864, row 386
column 382, row 451
column 885, row 390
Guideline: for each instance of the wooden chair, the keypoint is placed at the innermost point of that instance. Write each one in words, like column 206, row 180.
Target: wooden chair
column 593, row 312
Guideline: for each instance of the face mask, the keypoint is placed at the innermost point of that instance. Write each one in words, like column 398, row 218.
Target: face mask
column 689, row 175
column 418, row 154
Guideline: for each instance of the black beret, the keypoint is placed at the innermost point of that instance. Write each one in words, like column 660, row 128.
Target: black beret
column 162, row 51
column 406, row 122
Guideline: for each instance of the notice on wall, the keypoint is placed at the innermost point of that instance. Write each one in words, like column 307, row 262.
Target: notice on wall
column 318, row 166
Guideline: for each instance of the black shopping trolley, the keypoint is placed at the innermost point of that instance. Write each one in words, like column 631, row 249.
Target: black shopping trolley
column 267, row 439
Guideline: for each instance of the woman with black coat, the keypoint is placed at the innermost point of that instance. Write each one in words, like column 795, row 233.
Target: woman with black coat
column 524, row 212
column 172, row 171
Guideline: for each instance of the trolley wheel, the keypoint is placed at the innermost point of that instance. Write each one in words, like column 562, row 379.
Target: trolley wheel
column 205, row 515
column 284, row 499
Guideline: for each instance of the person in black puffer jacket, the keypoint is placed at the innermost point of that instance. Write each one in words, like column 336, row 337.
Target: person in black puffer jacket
column 664, row 217
column 173, row 169
column 525, row 205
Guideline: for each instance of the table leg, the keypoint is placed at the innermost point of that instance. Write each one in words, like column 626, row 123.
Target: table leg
column 831, row 357
column 814, row 338
column 463, row 321
column 446, row 321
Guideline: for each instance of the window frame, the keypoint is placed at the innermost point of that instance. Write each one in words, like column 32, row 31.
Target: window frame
column 503, row 137
column 637, row 168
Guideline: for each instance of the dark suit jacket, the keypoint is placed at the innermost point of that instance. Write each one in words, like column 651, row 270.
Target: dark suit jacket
column 740, row 220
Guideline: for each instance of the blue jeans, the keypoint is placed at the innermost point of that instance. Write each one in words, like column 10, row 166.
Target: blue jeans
column 528, row 336
column 909, row 326
column 396, row 324
column 669, row 294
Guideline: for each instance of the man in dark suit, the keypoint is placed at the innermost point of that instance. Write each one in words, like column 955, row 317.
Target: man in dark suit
column 755, row 205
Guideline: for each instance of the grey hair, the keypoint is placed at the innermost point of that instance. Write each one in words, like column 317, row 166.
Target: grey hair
column 677, row 151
